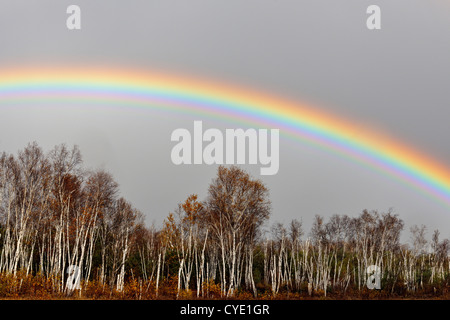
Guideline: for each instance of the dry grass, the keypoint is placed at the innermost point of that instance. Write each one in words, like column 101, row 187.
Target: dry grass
column 36, row 287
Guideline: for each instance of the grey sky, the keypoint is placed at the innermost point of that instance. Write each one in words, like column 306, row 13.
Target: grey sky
column 396, row 79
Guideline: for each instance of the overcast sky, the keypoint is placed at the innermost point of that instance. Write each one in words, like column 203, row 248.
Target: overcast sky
column 396, row 79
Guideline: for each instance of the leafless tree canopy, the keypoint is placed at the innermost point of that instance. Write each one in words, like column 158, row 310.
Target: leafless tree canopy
column 55, row 214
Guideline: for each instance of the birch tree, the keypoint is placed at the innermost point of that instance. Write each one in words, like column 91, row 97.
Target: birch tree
column 236, row 207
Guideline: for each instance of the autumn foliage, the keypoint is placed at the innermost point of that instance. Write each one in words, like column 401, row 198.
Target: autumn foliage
column 54, row 214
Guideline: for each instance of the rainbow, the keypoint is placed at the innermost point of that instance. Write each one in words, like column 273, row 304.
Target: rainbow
column 203, row 98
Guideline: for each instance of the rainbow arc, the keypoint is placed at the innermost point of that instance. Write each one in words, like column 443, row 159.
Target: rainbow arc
column 174, row 93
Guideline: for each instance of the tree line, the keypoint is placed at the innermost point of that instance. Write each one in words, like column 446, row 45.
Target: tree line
column 56, row 217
